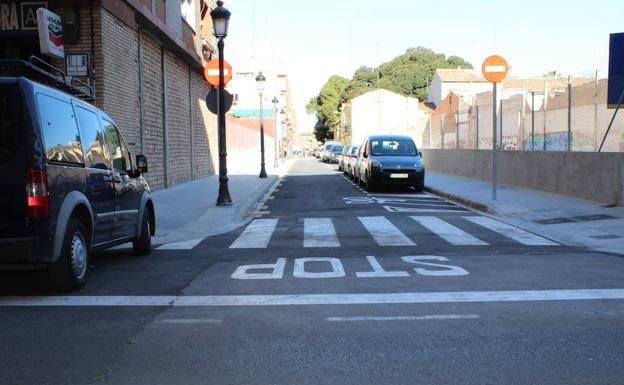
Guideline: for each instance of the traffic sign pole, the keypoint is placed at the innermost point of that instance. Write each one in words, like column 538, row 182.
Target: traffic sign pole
column 494, row 139
column 494, row 69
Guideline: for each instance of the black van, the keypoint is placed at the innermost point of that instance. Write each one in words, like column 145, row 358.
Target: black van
column 68, row 185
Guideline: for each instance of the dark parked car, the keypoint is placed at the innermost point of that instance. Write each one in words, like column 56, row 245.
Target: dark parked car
column 390, row 160
column 68, row 185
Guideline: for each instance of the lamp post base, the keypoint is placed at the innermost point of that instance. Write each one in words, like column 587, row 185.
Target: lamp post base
column 263, row 173
column 224, row 193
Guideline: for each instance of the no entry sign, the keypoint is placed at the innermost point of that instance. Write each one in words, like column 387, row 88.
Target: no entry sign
column 211, row 72
column 495, row 68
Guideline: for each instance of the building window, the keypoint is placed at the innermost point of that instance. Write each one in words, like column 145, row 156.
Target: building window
column 188, row 12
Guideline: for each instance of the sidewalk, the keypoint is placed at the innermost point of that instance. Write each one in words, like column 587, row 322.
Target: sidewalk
column 187, row 213
column 564, row 219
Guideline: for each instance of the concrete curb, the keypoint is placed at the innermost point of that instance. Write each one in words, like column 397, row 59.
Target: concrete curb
column 461, row 200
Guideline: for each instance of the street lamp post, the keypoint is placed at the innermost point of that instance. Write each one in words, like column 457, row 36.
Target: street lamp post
column 275, row 102
column 220, row 22
column 260, row 79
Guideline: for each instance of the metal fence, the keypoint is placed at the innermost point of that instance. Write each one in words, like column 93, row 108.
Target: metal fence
column 565, row 119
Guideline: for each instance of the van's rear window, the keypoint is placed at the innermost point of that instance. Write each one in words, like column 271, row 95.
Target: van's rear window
column 11, row 130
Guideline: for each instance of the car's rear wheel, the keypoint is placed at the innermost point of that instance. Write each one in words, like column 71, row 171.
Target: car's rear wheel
column 70, row 271
column 419, row 187
column 143, row 244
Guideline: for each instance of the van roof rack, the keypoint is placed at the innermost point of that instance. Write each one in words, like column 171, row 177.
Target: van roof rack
column 38, row 70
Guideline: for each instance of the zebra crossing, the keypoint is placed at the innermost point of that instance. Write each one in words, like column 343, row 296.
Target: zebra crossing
column 322, row 233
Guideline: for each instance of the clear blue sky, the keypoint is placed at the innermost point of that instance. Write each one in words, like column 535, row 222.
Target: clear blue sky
column 312, row 40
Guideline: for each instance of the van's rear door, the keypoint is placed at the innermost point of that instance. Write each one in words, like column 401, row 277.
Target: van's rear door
column 13, row 150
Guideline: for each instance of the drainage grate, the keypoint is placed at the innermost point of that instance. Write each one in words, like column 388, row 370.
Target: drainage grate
column 606, row 236
column 554, row 221
column 597, row 217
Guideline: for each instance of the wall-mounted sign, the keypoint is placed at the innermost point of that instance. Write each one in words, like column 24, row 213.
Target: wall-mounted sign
column 19, row 17
column 50, row 33
column 77, row 64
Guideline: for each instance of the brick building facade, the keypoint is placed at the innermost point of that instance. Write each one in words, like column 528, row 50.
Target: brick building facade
column 146, row 68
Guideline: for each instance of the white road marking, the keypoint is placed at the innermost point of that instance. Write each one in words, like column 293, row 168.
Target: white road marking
column 384, row 232
column 184, row 245
column 402, row 209
column 404, row 318
column 257, row 235
column 408, row 196
column 512, row 232
column 319, row 299
column 337, row 270
column 190, row 321
column 319, row 232
column 379, row 271
column 448, row 232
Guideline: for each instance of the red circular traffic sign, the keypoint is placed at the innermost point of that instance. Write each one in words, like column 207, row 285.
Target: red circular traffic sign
column 495, row 68
column 211, row 72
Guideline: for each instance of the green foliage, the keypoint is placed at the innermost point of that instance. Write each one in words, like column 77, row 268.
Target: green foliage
column 552, row 74
column 326, row 106
column 407, row 74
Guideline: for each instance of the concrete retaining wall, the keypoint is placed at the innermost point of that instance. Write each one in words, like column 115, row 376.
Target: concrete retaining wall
column 593, row 176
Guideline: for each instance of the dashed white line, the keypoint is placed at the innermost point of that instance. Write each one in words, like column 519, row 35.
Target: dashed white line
column 434, row 317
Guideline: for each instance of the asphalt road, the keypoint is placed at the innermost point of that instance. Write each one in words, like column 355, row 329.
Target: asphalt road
column 330, row 286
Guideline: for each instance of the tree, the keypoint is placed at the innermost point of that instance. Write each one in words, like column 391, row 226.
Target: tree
column 407, row 74
column 552, row 74
column 326, row 106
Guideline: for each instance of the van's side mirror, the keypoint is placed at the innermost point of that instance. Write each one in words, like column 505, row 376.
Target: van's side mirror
column 420, row 154
column 141, row 162
column 364, row 155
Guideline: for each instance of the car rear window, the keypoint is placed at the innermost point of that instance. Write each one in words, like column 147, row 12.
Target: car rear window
column 391, row 147
column 60, row 132
column 11, row 136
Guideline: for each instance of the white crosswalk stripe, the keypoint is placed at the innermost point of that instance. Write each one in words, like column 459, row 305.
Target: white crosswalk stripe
column 384, row 232
column 448, row 232
column 512, row 232
column 257, row 234
column 319, row 232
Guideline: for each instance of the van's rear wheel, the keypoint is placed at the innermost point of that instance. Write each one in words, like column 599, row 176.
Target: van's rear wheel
column 143, row 244
column 70, row 271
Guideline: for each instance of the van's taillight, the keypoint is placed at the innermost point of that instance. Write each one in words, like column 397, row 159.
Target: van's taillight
column 37, row 193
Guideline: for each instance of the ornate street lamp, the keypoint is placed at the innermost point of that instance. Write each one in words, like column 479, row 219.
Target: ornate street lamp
column 260, row 79
column 275, row 102
column 220, row 22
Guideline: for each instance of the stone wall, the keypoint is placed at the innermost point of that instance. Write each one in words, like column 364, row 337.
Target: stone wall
column 592, row 176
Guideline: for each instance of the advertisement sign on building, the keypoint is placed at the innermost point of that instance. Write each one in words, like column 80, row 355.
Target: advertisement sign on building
column 50, row 33
column 19, row 18
column 616, row 69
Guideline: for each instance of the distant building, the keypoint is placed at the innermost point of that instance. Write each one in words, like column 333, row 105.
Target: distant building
column 468, row 83
column 246, row 103
column 381, row 112
column 461, row 82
